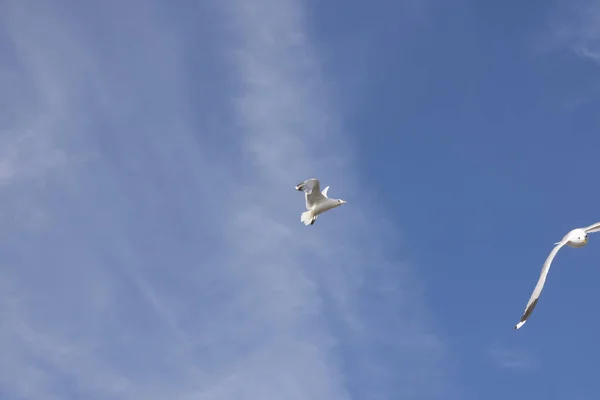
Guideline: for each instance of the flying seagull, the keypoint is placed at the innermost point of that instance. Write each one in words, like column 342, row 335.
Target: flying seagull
column 317, row 202
column 576, row 238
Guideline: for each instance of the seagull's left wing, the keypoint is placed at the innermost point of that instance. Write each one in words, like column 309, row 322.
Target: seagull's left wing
column 593, row 228
column 312, row 192
column 309, row 185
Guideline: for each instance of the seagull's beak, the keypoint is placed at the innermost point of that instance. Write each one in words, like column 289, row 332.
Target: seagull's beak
column 343, row 201
column 585, row 239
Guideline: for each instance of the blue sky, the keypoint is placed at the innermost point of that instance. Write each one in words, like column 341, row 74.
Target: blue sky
column 151, row 244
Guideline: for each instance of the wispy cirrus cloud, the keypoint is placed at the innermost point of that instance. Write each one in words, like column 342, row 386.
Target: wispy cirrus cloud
column 512, row 359
column 574, row 26
column 172, row 263
column 583, row 30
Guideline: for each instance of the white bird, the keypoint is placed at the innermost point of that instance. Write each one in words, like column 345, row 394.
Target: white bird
column 317, row 202
column 576, row 238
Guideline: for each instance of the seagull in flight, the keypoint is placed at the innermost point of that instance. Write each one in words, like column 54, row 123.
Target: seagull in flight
column 317, row 201
column 576, row 238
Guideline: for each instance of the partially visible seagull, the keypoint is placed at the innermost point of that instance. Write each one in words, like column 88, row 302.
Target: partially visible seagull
column 576, row 238
column 317, row 202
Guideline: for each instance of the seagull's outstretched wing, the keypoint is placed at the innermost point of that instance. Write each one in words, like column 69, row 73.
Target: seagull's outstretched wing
column 592, row 228
column 540, row 284
column 309, row 185
column 312, row 192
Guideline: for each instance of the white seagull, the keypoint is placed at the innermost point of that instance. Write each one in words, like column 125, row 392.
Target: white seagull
column 576, row 238
column 317, row 202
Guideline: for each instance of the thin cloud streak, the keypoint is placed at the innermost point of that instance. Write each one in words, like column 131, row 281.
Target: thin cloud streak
column 165, row 268
column 511, row 359
column 291, row 130
column 573, row 26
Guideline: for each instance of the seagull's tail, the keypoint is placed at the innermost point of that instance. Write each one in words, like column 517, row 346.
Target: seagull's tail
column 307, row 218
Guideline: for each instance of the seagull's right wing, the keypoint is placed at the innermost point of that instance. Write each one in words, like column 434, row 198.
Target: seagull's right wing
column 540, row 285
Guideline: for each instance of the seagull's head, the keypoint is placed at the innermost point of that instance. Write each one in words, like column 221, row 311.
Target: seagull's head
column 577, row 238
column 340, row 202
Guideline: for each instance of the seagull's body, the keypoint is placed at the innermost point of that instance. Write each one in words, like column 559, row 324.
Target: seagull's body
column 576, row 238
column 317, row 201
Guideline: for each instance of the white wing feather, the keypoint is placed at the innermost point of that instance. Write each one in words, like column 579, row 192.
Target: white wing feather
column 540, row 284
column 592, row 228
column 312, row 192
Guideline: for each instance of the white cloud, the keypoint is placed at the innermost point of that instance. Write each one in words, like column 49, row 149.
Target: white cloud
column 172, row 262
column 573, row 25
column 512, row 359
column 585, row 30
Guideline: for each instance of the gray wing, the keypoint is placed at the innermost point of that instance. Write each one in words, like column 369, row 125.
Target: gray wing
column 312, row 192
column 592, row 228
column 540, row 285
